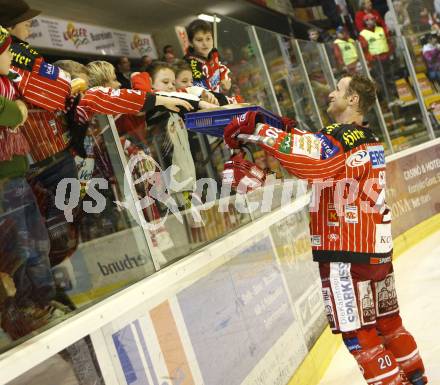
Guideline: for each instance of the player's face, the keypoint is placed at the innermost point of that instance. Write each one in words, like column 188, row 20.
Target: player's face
column 21, row 30
column 184, row 79
column 337, row 100
column 5, row 61
column 164, row 80
column 203, row 43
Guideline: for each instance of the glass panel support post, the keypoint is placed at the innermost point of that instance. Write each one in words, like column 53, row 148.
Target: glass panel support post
column 377, row 108
column 328, row 72
column 156, row 254
column 412, row 71
column 260, row 57
column 299, row 56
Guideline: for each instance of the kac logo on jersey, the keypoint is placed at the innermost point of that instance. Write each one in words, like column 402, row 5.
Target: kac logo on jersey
column 357, row 159
column 49, row 71
column 377, row 156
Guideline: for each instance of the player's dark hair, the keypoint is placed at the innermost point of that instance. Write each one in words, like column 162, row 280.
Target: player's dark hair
column 365, row 88
column 197, row 26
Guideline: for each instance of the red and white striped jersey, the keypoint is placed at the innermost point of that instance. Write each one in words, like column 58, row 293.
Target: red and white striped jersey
column 349, row 219
column 12, row 141
column 44, row 86
column 109, row 101
column 47, row 133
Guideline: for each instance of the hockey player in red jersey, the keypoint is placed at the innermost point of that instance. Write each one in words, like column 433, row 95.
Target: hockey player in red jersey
column 350, row 226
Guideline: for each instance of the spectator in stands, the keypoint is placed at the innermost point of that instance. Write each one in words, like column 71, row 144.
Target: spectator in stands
column 314, row 35
column 378, row 50
column 123, row 71
column 421, row 15
column 374, row 39
column 228, row 56
column 75, row 70
column 168, row 54
column 168, row 49
column 16, row 16
column 367, row 8
column 431, row 54
column 170, row 132
column 345, row 51
column 183, row 74
column 146, row 61
column 208, row 71
column 175, row 147
column 27, row 257
column 45, row 88
column 184, row 82
column 401, row 14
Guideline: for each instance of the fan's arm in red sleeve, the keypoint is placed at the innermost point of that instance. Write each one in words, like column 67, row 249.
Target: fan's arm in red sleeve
column 103, row 100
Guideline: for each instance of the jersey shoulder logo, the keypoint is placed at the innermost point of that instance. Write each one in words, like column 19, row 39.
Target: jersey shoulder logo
column 328, row 148
column 351, row 136
column 359, row 158
column 377, row 156
column 331, row 128
column 308, row 145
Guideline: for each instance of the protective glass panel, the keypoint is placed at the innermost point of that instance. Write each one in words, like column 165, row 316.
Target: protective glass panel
column 176, row 179
column 401, row 110
column 66, row 244
column 319, row 75
column 288, row 79
column 239, row 51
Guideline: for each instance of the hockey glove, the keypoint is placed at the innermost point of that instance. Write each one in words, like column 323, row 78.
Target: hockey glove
column 242, row 124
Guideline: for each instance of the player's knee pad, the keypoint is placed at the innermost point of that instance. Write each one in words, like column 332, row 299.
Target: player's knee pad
column 378, row 365
column 402, row 344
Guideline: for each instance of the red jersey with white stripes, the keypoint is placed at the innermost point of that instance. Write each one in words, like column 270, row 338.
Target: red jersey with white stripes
column 12, row 141
column 349, row 220
column 46, row 131
column 44, row 86
column 109, row 101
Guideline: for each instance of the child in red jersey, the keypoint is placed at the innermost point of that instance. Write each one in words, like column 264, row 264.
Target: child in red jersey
column 29, row 305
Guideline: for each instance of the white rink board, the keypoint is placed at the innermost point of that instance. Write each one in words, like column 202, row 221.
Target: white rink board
column 240, row 307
